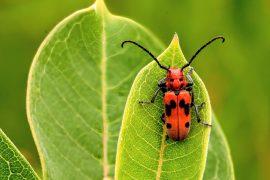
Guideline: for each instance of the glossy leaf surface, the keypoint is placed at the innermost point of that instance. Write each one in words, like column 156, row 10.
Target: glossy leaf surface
column 77, row 89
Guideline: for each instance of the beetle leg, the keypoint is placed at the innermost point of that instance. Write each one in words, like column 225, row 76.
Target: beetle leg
column 161, row 86
column 197, row 111
column 189, row 87
column 198, row 117
column 152, row 99
column 188, row 75
column 190, row 71
column 162, row 82
column 201, row 106
column 163, row 118
column 190, row 81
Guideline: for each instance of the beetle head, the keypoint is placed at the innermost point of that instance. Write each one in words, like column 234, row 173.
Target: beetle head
column 175, row 79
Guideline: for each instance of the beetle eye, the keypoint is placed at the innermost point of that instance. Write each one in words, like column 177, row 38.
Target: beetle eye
column 181, row 79
column 171, row 80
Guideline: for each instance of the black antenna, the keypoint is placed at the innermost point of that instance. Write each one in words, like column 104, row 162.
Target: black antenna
column 199, row 50
column 161, row 66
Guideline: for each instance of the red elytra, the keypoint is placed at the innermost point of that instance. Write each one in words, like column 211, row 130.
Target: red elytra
column 178, row 96
column 177, row 114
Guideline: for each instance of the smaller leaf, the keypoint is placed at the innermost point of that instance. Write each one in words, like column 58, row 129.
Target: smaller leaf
column 12, row 163
column 143, row 151
column 219, row 162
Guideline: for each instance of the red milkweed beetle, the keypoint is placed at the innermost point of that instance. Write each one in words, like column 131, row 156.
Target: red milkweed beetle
column 178, row 96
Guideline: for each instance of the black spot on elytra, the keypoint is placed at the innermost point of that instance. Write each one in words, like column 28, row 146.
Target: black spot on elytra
column 186, row 106
column 168, row 110
column 173, row 104
column 187, row 124
column 168, row 125
column 169, row 107
column 182, row 103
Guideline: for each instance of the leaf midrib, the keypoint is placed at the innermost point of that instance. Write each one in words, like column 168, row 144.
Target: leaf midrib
column 163, row 141
column 162, row 148
column 104, row 99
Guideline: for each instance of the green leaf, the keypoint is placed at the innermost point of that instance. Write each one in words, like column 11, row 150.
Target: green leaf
column 219, row 162
column 143, row 150
column 77, row 89
column 12, row 164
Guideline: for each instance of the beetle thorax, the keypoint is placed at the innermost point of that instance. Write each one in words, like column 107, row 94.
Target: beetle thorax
column 175, row 79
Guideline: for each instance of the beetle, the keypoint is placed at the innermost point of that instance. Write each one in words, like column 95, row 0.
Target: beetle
column 178, row 95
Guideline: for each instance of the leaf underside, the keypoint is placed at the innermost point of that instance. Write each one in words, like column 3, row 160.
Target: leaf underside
column 12, row 164
column 77, row 89
column 143, row 150
column 219, row 162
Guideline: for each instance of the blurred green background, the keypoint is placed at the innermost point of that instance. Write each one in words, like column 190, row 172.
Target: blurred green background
column 235, row 73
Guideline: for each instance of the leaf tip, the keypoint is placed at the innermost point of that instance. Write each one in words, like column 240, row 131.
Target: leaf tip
column 178, row 58
column 100, row 6
column 175, row 40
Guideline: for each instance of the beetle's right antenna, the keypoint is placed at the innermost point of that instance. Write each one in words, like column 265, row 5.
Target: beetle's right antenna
column 199, row 50
column 161, row 66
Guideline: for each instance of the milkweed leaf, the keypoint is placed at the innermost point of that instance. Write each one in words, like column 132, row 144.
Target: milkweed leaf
column 144, row 151
column 77, row 89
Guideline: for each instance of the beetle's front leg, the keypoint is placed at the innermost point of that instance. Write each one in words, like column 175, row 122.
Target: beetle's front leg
column 161, row 86
column 188, row 75
column 190, row 84
column 152, row 99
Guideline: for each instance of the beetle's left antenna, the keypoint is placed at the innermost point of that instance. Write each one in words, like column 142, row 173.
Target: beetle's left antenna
column 143, row 48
